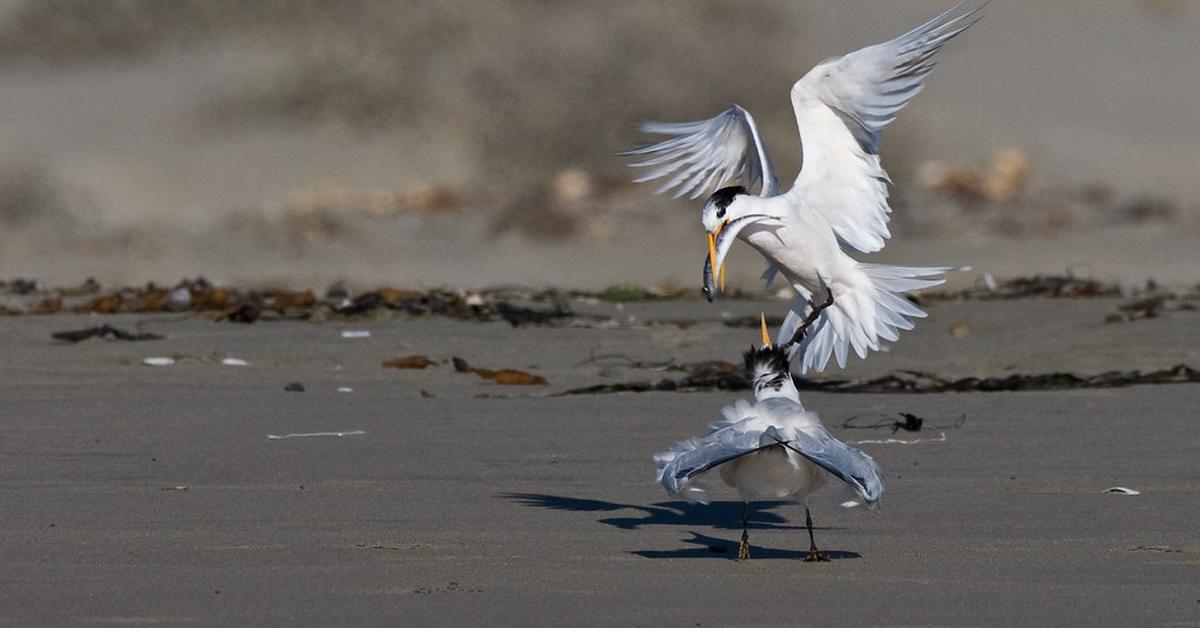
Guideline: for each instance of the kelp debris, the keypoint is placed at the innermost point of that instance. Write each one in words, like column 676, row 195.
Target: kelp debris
column 505, row 377
column 408, row 362
column 1151, row 307
column 706, row 376
column 107, row 332
column 1043, row 286
column 773, row 322
column 516, row 306
column 911, row 422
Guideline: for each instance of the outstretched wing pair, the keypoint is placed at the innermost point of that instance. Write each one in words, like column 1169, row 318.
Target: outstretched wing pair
column 691, row 458
column 841, row 107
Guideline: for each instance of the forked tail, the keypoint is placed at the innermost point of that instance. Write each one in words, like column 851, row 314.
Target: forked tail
column 867, row 307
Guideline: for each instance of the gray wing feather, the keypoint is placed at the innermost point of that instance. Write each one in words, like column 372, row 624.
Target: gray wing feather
column 851, row 464
column 706, row 154
column 687, row 459
column 869, row 87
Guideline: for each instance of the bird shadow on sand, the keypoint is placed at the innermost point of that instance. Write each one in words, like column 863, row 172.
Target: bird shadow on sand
column 720, row 515
column 723, row 515
column 710, row 547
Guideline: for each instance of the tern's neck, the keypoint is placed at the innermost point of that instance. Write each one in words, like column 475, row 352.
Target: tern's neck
column 778, row 385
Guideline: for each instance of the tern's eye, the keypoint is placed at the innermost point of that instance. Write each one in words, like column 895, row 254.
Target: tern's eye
column 721, row 213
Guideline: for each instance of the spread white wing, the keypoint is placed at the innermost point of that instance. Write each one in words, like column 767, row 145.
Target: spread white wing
column 841, row 108
column 706, row 155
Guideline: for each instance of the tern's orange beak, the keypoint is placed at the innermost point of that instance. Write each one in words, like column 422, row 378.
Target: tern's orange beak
column 766, row 338
column 719, row 273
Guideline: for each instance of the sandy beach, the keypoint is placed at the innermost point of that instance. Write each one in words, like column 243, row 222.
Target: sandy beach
column 350, row 314
column 138, row 494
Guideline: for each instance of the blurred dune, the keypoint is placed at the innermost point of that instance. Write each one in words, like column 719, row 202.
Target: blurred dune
column 178, row 124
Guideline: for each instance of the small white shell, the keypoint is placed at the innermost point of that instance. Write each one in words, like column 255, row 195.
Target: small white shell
column 158, row 361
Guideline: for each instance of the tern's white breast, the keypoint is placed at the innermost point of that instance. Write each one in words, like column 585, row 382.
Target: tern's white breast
column 774, row 473
column 803, row 248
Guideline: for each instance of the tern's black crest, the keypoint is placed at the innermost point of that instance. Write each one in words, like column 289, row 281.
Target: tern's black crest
column 767, row 366
column 724, row 196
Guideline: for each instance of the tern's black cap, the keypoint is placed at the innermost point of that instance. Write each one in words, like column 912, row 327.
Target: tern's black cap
column 724, row 196
column 769, row 359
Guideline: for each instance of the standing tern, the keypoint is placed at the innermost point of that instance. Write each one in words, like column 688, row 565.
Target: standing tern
column 772, row 449
column 838, row 202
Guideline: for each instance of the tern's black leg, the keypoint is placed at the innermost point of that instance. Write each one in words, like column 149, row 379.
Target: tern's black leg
column 814, row 555
column 744, row 546
column 810, row 319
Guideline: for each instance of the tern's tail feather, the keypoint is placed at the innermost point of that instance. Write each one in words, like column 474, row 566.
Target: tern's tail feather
column 870, row 305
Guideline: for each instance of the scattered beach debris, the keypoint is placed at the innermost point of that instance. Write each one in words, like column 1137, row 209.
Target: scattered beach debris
column 162, row 361
column 712, row 374
column 900, row 441
column 234, row 362
column 623, row 293
column 1155, row 548
column 505, row 377
column 724, row 376
column 426, row 394
column 663, row 385
column 345, row 389
column 911, row 422
column 1001, row 181
column 994, row 199
column 1121, row 490
column 179, row 299
column 753, row 322
column 177, row 487
column 1153, row 306
column 574, row 185
column 707, row 375
column 408, row 362
column 608, row 359
column 19, row 286
column 51, row 305
column 316, row 434
column 332, row 200
column 107, row 332
column 451, row 587
column 1143, row 308
column 245, row 313
column 532, row 214
column 1146, row 209
column 519, row 306
column 1045, row 286
column 107, row 304
column 680, row 323
column 917, row 381
column 355, row 333
column 395, row 547
column 961, row 330
column 518, row 316
column 294, row 387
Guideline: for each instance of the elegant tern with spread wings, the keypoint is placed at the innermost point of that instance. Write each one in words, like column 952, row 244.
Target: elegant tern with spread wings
column 838, row 203
column 771, row 449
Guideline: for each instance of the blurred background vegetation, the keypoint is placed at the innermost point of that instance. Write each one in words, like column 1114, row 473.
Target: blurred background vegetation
column 128, row 116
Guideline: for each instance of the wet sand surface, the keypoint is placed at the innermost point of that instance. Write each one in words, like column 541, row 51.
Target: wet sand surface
column 136, row 494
